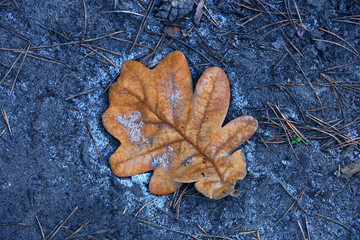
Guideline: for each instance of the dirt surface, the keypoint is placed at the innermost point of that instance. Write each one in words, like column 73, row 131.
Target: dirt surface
column 49, row 164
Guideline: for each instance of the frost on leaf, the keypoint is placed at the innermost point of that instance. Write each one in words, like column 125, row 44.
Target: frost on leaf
column 165, row 126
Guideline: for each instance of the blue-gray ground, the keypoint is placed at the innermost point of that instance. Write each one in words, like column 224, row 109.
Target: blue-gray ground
column 50, row 165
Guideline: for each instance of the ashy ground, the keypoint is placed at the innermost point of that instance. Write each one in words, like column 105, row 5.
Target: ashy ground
column 292, row 64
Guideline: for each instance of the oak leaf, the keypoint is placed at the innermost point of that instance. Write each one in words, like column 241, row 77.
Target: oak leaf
column 166, row 127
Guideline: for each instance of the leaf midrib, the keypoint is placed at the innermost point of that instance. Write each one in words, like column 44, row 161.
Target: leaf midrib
column 181, row 134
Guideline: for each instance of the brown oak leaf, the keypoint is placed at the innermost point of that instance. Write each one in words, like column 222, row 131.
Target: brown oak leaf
column 166, row 127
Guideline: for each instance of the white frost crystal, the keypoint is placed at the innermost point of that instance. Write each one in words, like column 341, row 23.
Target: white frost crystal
column 133, row 125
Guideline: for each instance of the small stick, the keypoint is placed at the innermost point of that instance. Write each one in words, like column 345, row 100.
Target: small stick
column 79, row 94
column 2, row 132
column 92, row 136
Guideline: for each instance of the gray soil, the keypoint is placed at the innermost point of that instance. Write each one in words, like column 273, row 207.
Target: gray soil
column 49, row 164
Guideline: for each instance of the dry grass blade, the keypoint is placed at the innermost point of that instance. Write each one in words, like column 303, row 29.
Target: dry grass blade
column 2, row 132
column 15, row 32
column 3, row 113
column 92, row 137
column 137, row 213
column 105, row 149
column 128, row 41
column 269, row 25
column 330, row 130
column 301, row 229
column 340, row 39
column 339, row 66
column 103, row 56
column 207, row 48
column 201, row 228
column 283, row 126
column 85, row 19
column 16, row 224
column 300, row 196
column 307, row 228
column 64, row 33
column 249, row 232
column 32, row 55
column 335, row 221
column 166, row 228
column 287, row 211
column 17, row 74
column 41, row 229
column 337, row 44
column 287, row 5
column 302, row 71
column 60, row 225
column 278, row 27
column 15, row 4
column 347, row 21
column 213, row 236
column 148, row 11
column 101, row 48
column 14, row 63
column 77, row 42
column 79, row 94
column 295, row 199
column 297, row 11
column 52, row 30
column 197, row 51
column 73, row 235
